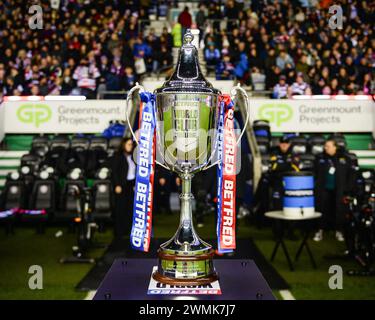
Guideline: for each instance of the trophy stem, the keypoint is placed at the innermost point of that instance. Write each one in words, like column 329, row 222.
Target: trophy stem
column 186, row 197
column 185, row 259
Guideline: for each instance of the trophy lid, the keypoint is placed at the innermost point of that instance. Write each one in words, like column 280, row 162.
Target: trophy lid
column 187, row 76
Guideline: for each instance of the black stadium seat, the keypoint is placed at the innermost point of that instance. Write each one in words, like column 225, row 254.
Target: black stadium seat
column 98, row 154
column 79, row 143
column 102, row 196
column 316, row 144
column 68, row 202
column 40, row 146
column 265, row 162
column 353, row 157
column 60, row 141
column 44, row 192
column 42, row 201
column 299, row 144
column 275, row 142
column 307, row 161
column 262, row 128
column 263, row 144
column 78, row 153
column 31, row 160
column 98, row 143
column 113, row 145
column 14, row 193
column 340, row 139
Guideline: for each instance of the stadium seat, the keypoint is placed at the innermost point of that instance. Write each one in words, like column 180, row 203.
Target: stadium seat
column 14, row 193
column 299, row 144
column 340, row 139
column 78, row 153
column 262, row 128
column 263, row 144
column 60, row 141
column 274, row 142
column 316, row 144
column 102, row 196
column 98, row 143
column 68, row 202
column 40, row 146
column 98, row 155
column 265, row 162
column 42, row 200
column 44, row 192
column 307, row 162
column 32, row 161
column 79, row 143
column 113, row 145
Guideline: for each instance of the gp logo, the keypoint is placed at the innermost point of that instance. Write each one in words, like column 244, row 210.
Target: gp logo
column 35, row 114
column 276, row 113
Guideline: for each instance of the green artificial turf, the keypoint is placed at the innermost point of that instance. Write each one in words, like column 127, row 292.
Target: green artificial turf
column 18, row 252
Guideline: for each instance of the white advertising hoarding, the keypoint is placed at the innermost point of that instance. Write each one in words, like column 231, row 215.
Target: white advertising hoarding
column 329, row 115
column 89, row 116
column 2, row 122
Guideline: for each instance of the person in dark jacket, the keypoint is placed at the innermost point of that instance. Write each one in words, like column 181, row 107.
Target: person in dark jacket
column 282, row 160
column 185, row 20
column 334, row 179
column 162, row 191
column 123, row 181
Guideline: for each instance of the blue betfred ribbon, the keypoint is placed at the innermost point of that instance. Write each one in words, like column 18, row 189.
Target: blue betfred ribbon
column 145, row 162
column 220, row 150
column 7, row 213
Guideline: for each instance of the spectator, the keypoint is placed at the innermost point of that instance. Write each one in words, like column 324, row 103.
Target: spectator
column 129, row 79
column 302, row 66
column 212, row 55
column 86, row 74
column 200, row 19
column 285, row 37
column 280, row 91
column 300, row 87
column 225, row 69
column 163, row 59
column 177, row 34
column 185, row 20
column 283, row 60
column 257, row 79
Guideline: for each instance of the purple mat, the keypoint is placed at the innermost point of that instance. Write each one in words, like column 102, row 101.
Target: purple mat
column 128, row 279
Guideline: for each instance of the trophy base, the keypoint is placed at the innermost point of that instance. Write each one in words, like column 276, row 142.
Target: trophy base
column 185, row 282
column 185, row 270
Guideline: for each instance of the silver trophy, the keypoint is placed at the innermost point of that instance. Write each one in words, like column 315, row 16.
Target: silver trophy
column 187, row 123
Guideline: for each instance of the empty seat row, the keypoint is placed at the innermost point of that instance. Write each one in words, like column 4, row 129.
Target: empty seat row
column 42, row 144
column 39, row 196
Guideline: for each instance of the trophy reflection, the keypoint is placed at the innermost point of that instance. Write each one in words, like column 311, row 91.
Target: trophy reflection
column 187, row 112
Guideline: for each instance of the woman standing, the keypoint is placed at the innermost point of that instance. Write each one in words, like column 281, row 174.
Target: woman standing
column 123, row 181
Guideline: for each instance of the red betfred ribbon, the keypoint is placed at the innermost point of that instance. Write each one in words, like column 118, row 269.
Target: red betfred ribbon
column 150, row 202
column 228, row 186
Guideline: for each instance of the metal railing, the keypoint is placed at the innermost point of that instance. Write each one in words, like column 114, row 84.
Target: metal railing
column 101, row 94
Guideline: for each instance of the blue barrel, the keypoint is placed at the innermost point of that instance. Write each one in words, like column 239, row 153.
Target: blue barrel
column 298, row 199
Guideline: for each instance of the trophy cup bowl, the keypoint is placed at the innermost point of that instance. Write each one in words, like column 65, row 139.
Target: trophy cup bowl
column 187, row 122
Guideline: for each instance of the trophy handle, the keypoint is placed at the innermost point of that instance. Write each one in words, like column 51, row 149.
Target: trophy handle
column 129, row 100
column 234, row 92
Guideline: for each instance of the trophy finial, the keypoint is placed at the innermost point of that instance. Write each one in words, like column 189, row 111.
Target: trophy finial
column 187, row 75
column 188, row 37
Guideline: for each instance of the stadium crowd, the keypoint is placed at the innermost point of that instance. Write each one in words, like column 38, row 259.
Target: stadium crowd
column 291, row 48
column 282, row 46
column 83, row 45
